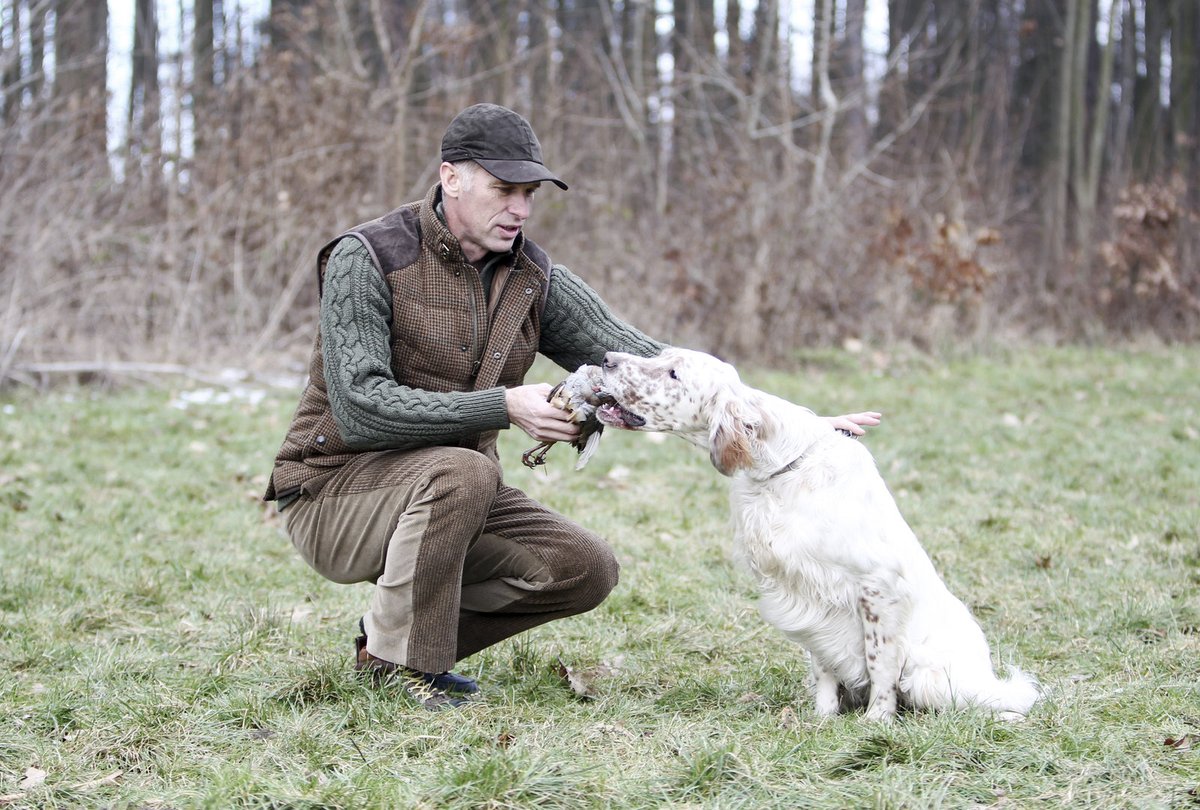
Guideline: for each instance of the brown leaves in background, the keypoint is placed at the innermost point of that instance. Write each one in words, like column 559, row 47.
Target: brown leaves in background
column 1142, row 258
column 942, row 257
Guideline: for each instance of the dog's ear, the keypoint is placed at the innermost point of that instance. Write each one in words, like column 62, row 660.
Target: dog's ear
column 732, row 431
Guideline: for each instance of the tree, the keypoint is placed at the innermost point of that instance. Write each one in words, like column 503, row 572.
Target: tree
column 143, row 118
column 1185, row 79
column 209, row 18
column 80, row 80
column 1149, row 141
column 10, row 61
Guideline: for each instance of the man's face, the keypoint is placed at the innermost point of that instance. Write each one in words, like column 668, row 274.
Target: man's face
column 484, row 212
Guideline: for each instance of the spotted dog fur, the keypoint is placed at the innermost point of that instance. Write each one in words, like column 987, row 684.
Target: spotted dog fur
column 839, row 570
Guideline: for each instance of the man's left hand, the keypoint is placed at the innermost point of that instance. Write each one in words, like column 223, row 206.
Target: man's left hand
column 856, row 423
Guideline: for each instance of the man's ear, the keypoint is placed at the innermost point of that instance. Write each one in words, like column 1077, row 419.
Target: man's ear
column 451, row 180
column 732, row 431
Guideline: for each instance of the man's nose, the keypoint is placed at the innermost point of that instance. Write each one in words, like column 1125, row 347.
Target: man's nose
column 520, row 206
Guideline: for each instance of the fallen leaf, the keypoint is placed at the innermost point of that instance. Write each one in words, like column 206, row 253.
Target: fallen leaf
column 34, row 776
column 9, row 798
column 261, row 734
column 1043, row 561
column 1184, row 743
column 615, row 728
column 111, row 779
column 788, row 719
column 583, row 681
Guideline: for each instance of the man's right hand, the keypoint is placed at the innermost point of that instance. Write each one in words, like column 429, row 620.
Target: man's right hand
column 529, row 410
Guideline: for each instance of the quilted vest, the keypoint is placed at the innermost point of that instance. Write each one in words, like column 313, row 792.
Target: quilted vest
column 443, row 337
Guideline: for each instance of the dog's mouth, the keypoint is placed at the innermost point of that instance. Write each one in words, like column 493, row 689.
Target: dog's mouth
column 614, row 414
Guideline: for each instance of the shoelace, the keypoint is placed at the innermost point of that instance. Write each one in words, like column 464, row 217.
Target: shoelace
column 422, row 689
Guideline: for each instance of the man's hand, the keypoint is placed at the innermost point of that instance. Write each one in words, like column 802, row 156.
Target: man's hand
column 856, row 423
column 529, row 410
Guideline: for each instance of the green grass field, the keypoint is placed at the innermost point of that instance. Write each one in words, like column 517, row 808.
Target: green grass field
column 161, row 645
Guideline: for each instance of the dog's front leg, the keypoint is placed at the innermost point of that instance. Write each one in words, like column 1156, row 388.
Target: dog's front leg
column 882, row 619
column 824, row 688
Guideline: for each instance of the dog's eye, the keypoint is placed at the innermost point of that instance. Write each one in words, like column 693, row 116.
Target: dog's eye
column 674, row 376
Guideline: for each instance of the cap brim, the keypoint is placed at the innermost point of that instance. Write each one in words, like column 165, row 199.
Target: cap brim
column 520, row 171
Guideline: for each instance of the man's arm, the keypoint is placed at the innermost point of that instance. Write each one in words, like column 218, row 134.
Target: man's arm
column 372, row 410
column 578, row 327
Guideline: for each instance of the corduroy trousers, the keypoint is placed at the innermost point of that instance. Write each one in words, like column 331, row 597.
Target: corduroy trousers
column 459, row 560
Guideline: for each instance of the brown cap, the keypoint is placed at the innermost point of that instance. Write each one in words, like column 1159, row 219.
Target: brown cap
column 499, row 140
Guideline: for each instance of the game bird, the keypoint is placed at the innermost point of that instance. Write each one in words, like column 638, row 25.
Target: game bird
column 579, row 395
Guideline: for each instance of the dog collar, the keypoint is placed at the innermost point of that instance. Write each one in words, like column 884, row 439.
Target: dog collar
column 796, row 462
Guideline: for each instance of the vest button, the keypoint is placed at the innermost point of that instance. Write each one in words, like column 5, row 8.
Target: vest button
column 529, row 290
column 445, row 250
column 496, row 355
column 320, row 440
column 464, row 347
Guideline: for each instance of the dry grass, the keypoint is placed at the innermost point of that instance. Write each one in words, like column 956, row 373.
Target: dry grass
column 164, row 646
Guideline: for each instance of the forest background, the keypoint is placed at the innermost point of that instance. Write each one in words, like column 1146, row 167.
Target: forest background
column 748, row 178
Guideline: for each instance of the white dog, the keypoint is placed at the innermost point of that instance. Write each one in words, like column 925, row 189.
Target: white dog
column 839, row 570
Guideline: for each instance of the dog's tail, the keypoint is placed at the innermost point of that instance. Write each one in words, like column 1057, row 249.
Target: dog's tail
column 1011, row 697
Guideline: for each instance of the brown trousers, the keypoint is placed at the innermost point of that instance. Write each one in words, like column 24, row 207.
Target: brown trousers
column 459, row 560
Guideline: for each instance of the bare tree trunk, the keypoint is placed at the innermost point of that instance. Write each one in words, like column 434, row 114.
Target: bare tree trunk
column 764, row 63
column 37, row 51
column 143, row 131
column 1185, row 86
column 735, row 60
column 824, row 100
column 10, row 59
column 1060, row 169
column 1037, row 83
column 209, row 18
column 852, row 67
column 1127, row 75
column 80, row 58
column 1148, row 129
column 402, row 62
column 1088, row 188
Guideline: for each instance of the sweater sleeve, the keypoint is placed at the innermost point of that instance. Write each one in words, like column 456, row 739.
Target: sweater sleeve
column 372, row 410
column 578, row 327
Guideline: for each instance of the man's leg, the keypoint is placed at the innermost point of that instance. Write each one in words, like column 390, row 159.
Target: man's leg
column 529, row 566
column 459, row 560
column 405, row 521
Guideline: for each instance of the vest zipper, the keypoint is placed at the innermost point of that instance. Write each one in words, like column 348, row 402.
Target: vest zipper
column 477, row 348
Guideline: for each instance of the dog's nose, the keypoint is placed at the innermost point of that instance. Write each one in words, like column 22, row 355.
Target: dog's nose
column 610, row 360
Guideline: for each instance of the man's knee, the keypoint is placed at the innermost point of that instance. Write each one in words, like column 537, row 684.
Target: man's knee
column 600, row 574
column 464, row 474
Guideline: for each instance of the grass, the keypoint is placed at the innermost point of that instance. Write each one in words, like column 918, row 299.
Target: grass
column 161, row 645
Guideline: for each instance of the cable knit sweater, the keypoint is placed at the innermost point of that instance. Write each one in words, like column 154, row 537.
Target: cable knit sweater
column 413, row 352
column 373, row 412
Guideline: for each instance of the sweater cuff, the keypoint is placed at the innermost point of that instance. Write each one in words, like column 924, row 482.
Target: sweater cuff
column 488, row 409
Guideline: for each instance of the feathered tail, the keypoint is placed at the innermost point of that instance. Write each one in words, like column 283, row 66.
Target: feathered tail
column 1010, row 697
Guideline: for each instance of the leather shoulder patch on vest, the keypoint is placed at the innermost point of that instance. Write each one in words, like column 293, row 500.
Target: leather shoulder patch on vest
column 393, row 240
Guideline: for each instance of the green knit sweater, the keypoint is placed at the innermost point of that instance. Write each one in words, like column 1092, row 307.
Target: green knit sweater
column 374, row 412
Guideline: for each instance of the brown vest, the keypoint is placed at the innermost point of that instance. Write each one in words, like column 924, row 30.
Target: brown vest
column 443, row 338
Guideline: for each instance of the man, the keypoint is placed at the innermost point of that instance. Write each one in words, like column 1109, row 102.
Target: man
column 430, row 317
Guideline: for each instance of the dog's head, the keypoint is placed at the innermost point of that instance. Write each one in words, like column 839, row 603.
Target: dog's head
column 688, row 393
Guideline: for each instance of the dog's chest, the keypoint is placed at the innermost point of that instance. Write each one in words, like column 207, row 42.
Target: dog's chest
column 790, row 546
